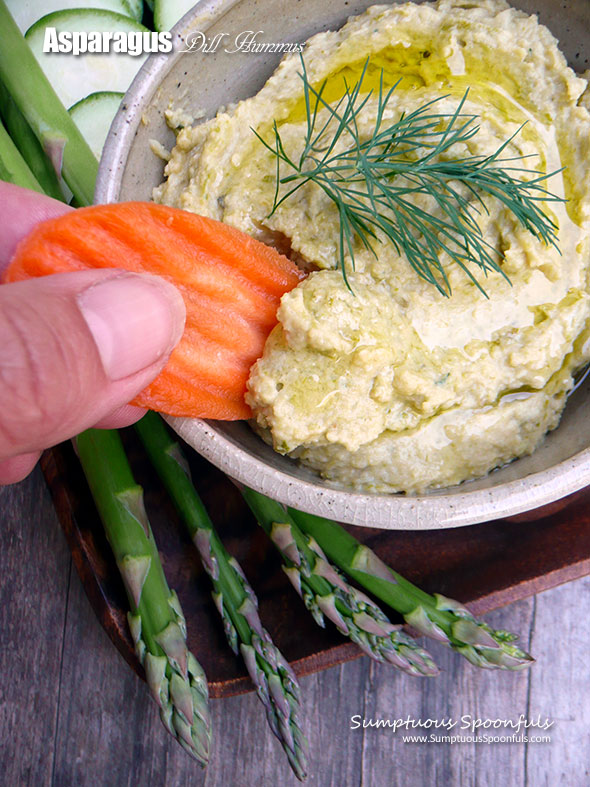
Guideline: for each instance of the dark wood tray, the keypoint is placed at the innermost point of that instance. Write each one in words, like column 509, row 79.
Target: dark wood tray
column 486, row 565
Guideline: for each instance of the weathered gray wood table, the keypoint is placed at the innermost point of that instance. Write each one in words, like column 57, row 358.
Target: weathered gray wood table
column 72, row 712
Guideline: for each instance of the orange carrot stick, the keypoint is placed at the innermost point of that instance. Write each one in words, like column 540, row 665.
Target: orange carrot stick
column 231, row 285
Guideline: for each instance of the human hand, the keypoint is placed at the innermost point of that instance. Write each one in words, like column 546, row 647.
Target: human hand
column 75, row 347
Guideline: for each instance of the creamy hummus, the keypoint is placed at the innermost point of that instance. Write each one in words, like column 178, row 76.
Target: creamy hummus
column 389, row 385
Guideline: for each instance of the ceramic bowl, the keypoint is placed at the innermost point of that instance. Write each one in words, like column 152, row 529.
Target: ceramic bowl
column 201, row 82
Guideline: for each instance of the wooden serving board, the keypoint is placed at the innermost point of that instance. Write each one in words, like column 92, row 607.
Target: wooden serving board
column 485, row 565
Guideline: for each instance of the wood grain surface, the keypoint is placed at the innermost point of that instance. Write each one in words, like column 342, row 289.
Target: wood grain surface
column 73, row 713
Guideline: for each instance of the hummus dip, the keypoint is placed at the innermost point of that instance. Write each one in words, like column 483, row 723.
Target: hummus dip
column 388, row 385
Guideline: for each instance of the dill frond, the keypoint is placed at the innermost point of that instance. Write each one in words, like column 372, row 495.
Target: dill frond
column 372, row 181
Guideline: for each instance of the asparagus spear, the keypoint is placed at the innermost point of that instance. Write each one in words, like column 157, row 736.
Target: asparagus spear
column 271, row 674
column 174, row 676
column 435, row 616
column 29, row 146
column 326, row 593
column 54, row 128
column 13, row 168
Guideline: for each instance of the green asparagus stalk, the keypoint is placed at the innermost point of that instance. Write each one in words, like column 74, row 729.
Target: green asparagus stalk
column 435, row 616
column 326, row 593
column 29, row 146
column 13, row 168
column 59, row 136
column 275, row 682
column 175, row 678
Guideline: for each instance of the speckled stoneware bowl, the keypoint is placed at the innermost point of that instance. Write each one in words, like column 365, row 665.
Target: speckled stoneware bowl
column 203, row 82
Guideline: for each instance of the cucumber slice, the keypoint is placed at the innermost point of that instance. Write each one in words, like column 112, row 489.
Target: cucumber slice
column 168, row 12
column 74, row 77
column 93, row 115
column 27, row 12
column 135, row 8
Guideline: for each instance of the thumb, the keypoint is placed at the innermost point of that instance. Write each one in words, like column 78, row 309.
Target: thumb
column 77, row 346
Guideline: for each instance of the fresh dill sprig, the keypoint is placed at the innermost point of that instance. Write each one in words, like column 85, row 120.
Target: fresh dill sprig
column 373, row 181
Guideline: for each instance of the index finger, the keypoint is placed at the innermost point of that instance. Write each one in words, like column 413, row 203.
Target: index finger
column 20, row 211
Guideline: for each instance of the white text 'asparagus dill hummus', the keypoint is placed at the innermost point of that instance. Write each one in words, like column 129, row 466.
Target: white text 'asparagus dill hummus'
column 378, row 379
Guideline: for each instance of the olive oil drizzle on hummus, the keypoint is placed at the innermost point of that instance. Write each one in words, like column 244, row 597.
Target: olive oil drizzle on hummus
column 373, row 180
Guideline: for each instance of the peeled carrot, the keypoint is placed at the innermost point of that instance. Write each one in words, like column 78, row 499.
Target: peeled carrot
column 231, row 285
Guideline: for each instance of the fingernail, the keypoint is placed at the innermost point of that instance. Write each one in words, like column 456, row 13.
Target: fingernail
column 135, row 319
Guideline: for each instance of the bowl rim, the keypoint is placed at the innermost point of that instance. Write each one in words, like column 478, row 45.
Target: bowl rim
column 386, row 511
